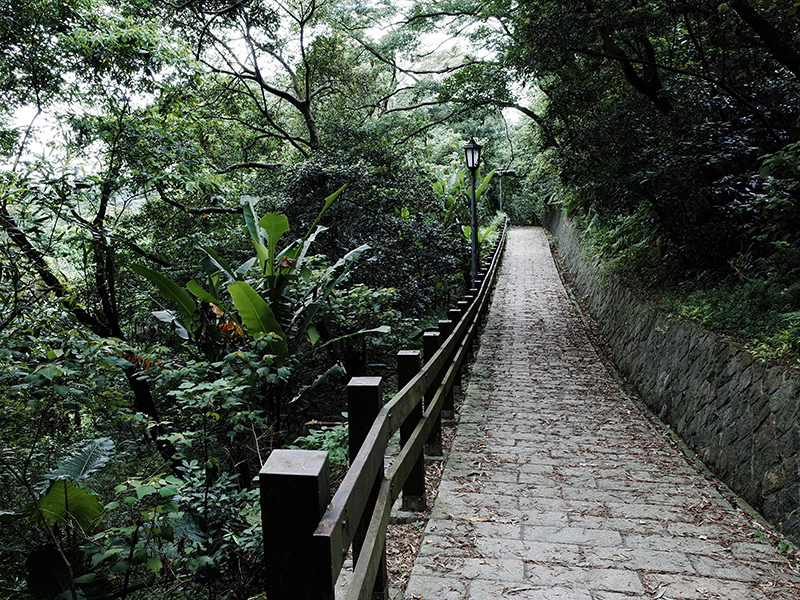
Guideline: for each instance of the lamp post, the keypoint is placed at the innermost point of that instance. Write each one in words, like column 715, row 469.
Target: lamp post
column 473, row 154
column 500, row 179
column 504, row 173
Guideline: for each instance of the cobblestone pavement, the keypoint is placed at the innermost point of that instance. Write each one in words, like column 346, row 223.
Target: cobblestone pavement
column 558, row 487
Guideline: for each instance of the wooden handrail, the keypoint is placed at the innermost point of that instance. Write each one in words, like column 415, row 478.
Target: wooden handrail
column 337, row 526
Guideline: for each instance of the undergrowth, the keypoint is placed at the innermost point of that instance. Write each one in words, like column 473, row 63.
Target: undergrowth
column 753, row 299
column 754, row 311
column 331, row 438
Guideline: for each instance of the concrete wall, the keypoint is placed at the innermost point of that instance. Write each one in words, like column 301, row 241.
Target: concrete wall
column 738, row 414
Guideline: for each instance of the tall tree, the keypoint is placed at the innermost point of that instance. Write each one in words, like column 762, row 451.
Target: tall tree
column 87, row 60
column 276, row 67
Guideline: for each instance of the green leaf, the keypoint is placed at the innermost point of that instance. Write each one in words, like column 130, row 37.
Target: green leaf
column 263, row 256
column 246, row 266
column 258, row 316
column 313, row 334
column 214, row 263
column 49, row 372
column 328, row 201
column 484, row 182
column 90, row 459
column 170, row 290
column 275, row 226
column 169, row 317
column 66, row 503
column 251, row 218
column 334, row 372
column 168, row 490
column 154, row 565
column 203, row 295
column 312, row 308
column 145, row 490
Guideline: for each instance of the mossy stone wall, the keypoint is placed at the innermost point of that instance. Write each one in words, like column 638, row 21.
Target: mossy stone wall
column 740, row 415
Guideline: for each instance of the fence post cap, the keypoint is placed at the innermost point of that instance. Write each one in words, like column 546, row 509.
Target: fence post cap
column 295, row 462
column 408, row 353
column 364, row 381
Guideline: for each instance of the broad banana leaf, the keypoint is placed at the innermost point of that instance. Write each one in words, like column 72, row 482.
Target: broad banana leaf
column 66, row 503
column 170, row 290
column 275, row 225
column 257, row 316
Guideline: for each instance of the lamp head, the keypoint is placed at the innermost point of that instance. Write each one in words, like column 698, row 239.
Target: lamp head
column 473, row 153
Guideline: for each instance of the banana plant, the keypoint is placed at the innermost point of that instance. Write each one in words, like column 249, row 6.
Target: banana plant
column 449, row 191
column 259, row 302
column 453, row 193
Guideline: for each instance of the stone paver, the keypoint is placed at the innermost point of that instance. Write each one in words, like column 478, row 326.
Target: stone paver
column 558, row 487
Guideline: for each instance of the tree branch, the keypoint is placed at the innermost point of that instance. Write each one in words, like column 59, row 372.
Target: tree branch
column 650, row 85
column 248, row 165
column 550, row 140
column 776, row 43
column 430, row 125
column 438, row 15
column 211, row 210
column 708, row 79
column 137, row 249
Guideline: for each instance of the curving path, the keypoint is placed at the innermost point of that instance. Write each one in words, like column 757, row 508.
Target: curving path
column 557, row 487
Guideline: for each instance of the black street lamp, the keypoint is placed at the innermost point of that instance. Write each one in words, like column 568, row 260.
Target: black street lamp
column 500, row 174
column 504, row 173
column 473, row 153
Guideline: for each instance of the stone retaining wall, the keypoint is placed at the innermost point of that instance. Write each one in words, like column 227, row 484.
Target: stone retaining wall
column 738, row 414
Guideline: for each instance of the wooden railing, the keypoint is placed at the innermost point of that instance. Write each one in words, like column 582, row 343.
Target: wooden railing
column 306, row 534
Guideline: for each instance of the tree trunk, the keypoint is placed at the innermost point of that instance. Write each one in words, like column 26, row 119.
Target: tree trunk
column 311, row 125
column 649, row 83
column 781, row 51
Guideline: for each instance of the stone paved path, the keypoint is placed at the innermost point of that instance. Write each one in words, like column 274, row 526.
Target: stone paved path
column 557, row 487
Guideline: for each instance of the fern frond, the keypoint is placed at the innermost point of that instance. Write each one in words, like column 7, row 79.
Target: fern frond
column 90, row 459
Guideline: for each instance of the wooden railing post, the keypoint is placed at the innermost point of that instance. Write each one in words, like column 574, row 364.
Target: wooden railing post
column 364, row 401
column 454, row 314
column 448, row 408
column 431, row 341
column 409, row 363
column 295, row 491
column 463, row 305
column 466, row 303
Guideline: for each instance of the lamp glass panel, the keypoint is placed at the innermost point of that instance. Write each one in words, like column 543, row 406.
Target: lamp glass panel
column 473, row 154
